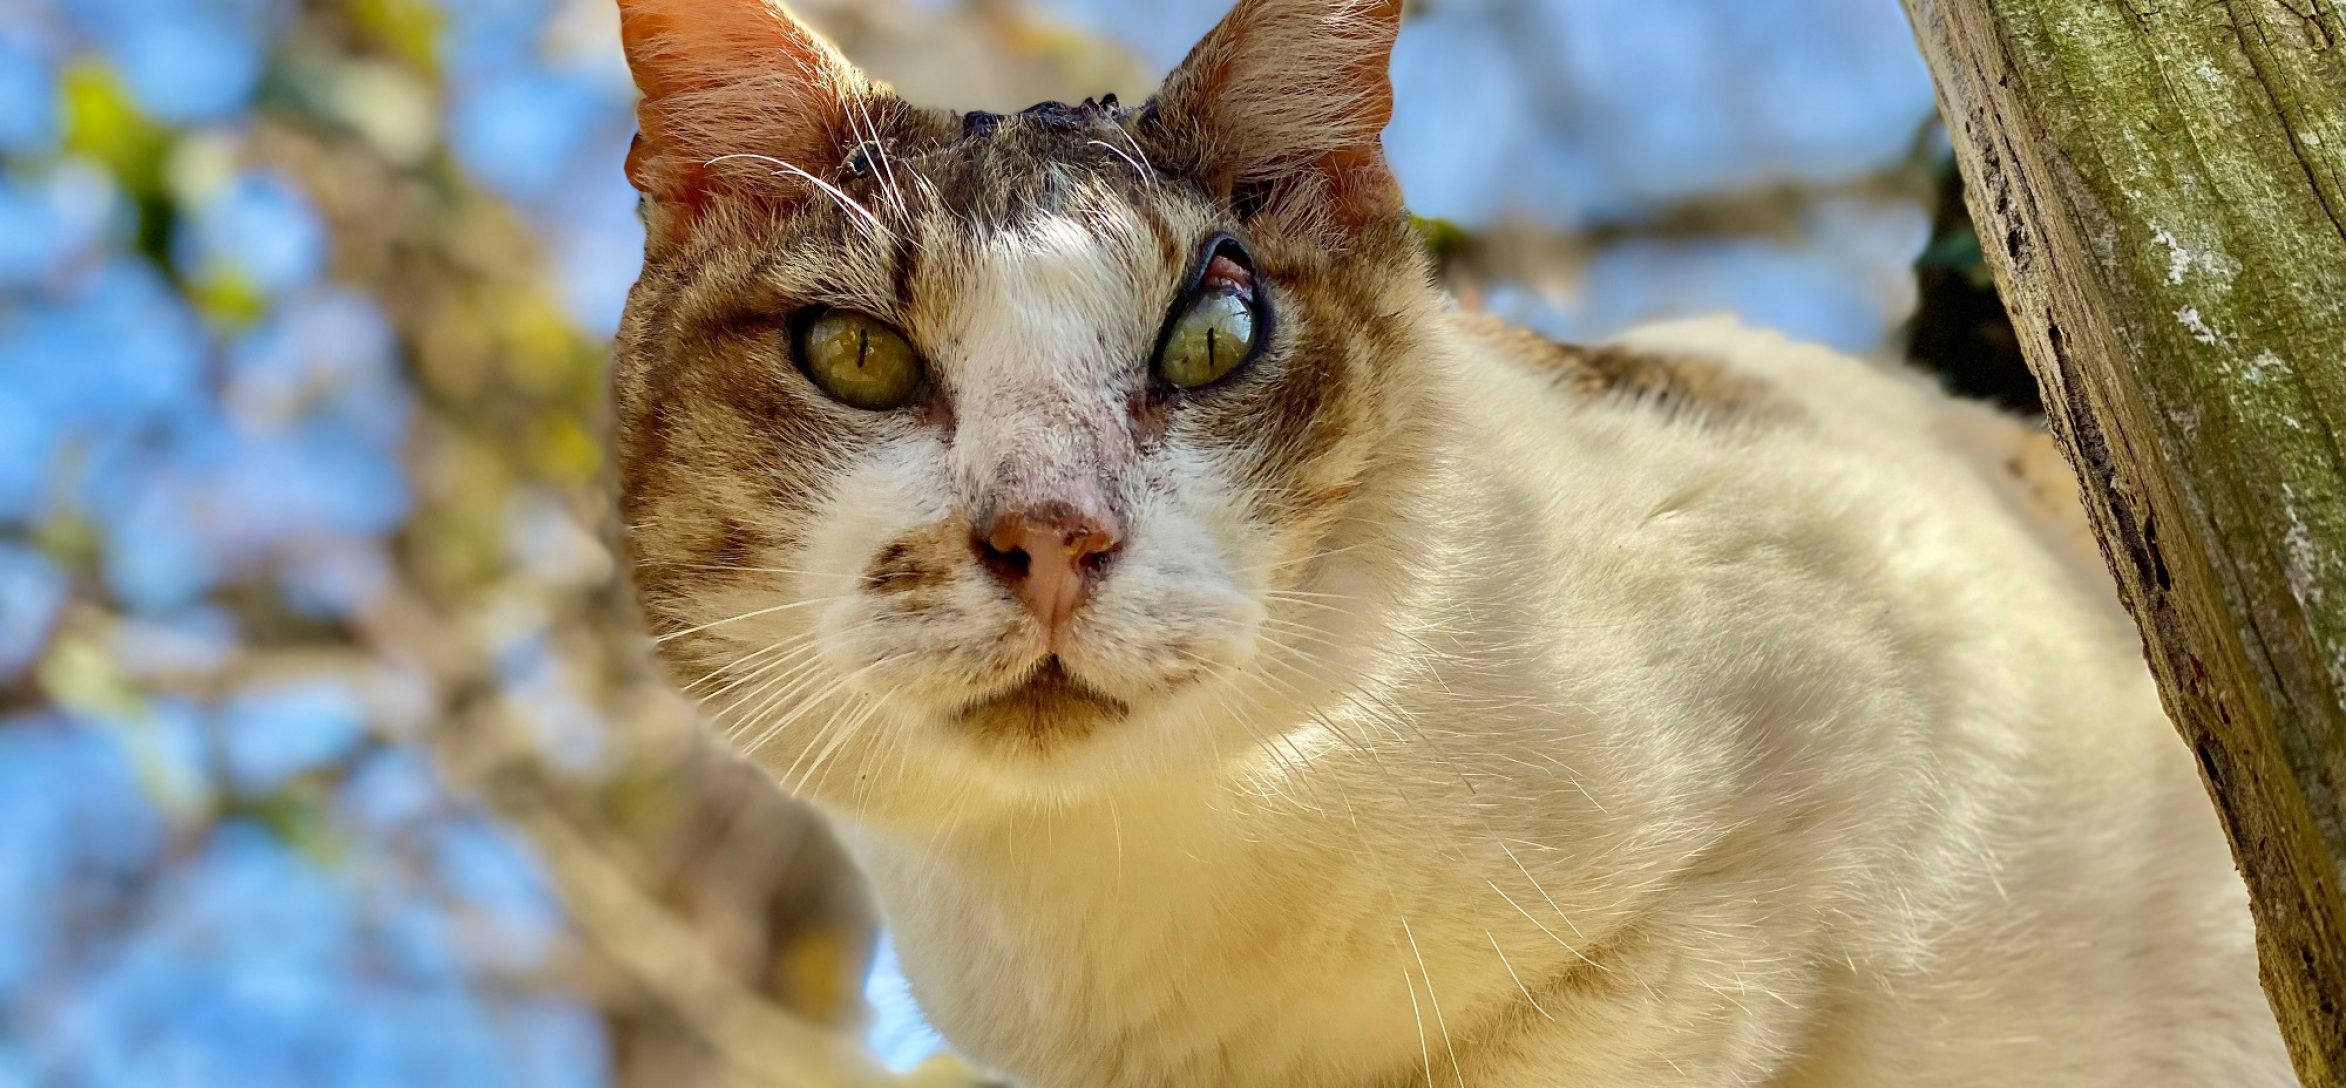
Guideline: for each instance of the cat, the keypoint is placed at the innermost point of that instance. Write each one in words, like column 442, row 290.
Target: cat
column 1233, row 666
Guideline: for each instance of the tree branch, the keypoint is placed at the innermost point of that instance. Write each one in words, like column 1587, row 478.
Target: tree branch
column 2158, row 188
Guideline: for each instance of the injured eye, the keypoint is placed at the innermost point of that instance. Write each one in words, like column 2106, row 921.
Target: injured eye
column 859, row 360
column 1217, row 324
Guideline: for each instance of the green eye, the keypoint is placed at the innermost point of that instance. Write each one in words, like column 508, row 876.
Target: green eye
column 860, row 361
column 1216, row 327
column 1209, row 341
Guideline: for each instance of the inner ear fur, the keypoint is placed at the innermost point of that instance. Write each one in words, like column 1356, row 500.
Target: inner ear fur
column 742, row 101
column 1286, row 102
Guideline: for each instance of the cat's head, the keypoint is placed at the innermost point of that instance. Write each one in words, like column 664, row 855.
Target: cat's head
column 1041, row 450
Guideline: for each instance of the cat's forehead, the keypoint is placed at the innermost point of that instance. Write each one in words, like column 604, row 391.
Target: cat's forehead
column 998, row 171
column 1049, row 117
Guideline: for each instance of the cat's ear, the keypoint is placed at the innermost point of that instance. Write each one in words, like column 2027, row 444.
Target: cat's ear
column 1288, row 100
column 739, row 98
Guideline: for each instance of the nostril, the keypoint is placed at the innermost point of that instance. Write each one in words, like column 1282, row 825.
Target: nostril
column 1097, row 562
column 1049, row 557
column 1009, row 563
column 1050, row 551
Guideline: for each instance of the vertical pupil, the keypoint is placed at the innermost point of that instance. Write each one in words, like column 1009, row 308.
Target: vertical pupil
column 863, row 347
column 1216, row 332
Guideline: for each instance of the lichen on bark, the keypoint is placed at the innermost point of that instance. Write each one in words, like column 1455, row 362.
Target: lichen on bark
column 2163, row 188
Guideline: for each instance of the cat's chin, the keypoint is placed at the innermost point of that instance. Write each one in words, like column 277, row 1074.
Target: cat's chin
column 1054, row 734
column 1049, row 705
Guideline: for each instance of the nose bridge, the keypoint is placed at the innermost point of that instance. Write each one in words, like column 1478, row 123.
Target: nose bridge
column 1043, row 462
column 1039, row 393
column 1025, row 443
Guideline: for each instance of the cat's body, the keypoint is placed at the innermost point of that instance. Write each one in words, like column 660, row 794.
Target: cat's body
column 1397, row 701
column 1883, row 795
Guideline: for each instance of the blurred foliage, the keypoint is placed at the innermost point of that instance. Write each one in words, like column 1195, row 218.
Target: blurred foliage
column 304, row 601
column 1960, row 328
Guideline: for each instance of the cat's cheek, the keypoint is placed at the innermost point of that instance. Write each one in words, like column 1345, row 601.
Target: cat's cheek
column 930, row 661
column 1145, row 647
column 896, row 501
column 1181, row 603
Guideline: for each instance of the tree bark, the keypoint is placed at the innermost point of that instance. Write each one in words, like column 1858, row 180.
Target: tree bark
column 2160, row 187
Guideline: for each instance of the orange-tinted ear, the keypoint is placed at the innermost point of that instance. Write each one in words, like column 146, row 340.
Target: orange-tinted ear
column 1287, row 91
column 736, row 95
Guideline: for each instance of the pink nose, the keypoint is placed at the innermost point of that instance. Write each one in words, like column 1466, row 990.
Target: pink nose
column 1049, row 554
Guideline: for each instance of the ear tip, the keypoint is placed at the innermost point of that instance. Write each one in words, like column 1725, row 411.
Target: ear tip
column 675, row 46
column 729, row 78
column 695, row 25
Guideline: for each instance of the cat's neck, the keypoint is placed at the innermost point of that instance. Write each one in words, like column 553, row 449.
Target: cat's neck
column 1382, row 763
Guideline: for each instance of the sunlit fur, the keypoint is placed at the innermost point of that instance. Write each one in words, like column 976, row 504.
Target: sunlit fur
column 1464, row 709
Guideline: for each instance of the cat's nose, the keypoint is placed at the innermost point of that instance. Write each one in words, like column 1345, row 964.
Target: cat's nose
column 1049, row 554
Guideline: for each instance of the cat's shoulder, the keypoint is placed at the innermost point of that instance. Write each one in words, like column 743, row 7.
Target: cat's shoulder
column 1694, row 386
column 1718, row 371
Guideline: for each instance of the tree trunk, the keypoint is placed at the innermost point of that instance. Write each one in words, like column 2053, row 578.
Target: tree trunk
column 2160, row 186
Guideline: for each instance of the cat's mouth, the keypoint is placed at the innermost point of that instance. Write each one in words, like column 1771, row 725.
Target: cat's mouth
column 1048, row 704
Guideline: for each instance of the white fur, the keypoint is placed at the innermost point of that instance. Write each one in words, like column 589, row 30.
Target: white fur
column 1613, row 751
column 1691, row 756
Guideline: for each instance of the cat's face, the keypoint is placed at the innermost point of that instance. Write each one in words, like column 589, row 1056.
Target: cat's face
column 1021, row 446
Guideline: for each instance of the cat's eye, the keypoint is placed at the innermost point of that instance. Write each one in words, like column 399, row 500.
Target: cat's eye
column 860, row 361
column 1217, row 324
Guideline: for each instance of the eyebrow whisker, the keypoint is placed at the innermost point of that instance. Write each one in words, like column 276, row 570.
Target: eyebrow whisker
column 1144, row 173
column 793, row 170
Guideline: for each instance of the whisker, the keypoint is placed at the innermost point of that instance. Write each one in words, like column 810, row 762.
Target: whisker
column 1298, row 594
column 1436, row 1001
column 1536, row 886
column 887, row 168
column 1551, row 934
column 1147, row 168
column 1425, row 1052
column 1112, row 149
column 834, row 192
column 1535, row 1002
column 674, row 635
column 805, row 706
column 841, row 732
column 1276, row 643
column 742, row 661
column 778, row 688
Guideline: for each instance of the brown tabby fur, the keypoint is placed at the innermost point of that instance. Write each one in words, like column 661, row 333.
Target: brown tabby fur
column 1696, row 389
column 720, row 441
column 779, row 191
